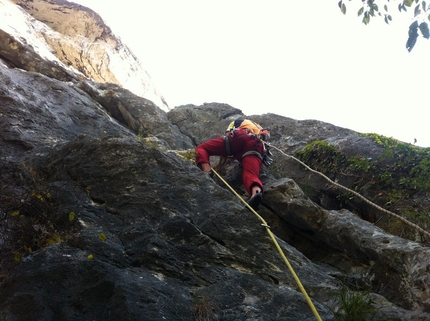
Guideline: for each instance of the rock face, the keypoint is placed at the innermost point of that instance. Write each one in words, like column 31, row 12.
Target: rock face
column 67, row 41
column 104, row 216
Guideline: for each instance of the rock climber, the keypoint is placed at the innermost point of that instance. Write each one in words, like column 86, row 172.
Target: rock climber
column 245, row 141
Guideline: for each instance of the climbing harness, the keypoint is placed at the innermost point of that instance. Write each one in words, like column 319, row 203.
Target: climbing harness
column 264, row 223
column 265, row 158
column 227, row 145
column 253, row 152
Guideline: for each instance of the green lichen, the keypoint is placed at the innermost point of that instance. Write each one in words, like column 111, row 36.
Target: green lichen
column 360, row 164
column 329, row 157
column 151, row 143
column 189, row 155
column 142, row 133
column 36, row 219
column 399, row 180
column 409, row 164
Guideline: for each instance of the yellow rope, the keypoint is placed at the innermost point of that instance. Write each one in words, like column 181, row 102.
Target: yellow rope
column 296, row 278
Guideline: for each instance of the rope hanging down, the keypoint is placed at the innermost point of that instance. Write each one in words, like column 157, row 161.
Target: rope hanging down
column 296, row 278
column 418, row 228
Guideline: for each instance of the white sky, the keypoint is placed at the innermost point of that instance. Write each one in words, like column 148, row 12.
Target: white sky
column 300, row 59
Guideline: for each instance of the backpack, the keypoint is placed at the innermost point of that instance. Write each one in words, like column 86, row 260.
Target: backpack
column 244, row 124
column 256, row 129
column 261, row 134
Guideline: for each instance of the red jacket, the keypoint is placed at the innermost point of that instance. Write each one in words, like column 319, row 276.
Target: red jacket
column 240, row 143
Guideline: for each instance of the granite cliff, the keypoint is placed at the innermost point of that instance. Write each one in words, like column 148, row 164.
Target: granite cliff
column 76, row 43
column 104, row 215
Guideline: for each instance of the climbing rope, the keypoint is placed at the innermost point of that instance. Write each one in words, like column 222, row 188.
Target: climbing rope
column 296, row 278
column 418, row 228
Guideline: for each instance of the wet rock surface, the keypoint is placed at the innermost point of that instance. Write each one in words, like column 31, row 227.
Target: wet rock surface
column 103, row 218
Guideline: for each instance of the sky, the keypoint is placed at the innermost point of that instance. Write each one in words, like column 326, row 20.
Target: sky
column 299, row 59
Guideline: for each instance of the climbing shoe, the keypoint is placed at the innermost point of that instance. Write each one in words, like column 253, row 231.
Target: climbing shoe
column 255, row 201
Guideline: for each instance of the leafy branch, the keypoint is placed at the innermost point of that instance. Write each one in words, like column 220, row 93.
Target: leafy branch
column 421, row 10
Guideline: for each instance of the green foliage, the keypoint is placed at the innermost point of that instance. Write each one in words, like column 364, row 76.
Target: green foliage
column 411, row 162
column 361, row 164
column 421, row 16
column 418, row 216
column 424, row 28
column 325, row 154
column 142, row 133
column 33, row 219
column 37, row 224
column 401, row 165
column 342, row 6
column 355, row 306
column 102, row 237
column 412, row 35
column 399, row 180
column 150, row 142
column 189, row 155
